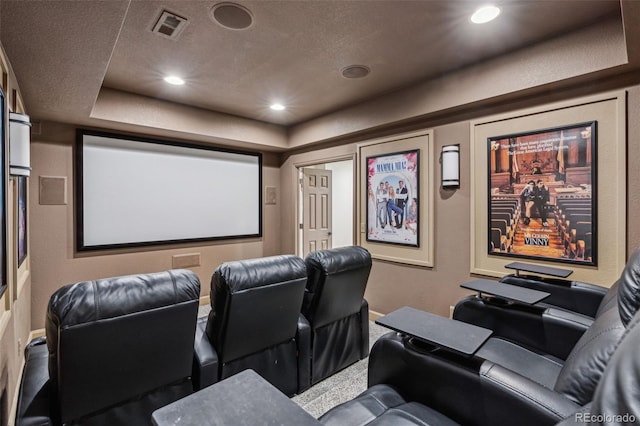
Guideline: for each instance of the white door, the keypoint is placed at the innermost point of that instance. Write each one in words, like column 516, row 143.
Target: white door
column 316, row 210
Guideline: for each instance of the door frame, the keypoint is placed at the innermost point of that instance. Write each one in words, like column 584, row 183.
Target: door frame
column 296, row 178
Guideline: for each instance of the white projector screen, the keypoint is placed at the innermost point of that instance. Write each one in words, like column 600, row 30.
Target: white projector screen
column 132, row 192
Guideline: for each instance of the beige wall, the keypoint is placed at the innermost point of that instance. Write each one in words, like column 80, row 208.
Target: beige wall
column 633, row 171
column 15, row 304
column 444, row 106
column 53, row 235
column 588, row 55
column 393, row 285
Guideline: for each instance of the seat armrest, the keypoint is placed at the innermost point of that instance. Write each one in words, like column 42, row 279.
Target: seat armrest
column 303, row 341
column 549, row 330
column 469, row 390
column 575, row 296
column 205, row 358
column 510, row 396
column 563, row 330
column 515, row 322
column 448, row 385
column 34, row 397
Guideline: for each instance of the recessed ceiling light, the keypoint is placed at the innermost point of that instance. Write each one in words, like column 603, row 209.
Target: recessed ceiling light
column 277, row 107
column 172, row 79
column 485, row 14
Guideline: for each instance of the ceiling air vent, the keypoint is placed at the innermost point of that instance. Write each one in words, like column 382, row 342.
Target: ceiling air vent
column 169, row 25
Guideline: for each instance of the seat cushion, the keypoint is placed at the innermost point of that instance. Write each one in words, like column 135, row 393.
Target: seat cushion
column 541, row 368
column 381, row 405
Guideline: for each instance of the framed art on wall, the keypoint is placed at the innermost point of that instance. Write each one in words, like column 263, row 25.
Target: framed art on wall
column 3, row 197
column 392, row 198
column 542, row 194
column 564, row 135
column 402, row 230
column 22, row 219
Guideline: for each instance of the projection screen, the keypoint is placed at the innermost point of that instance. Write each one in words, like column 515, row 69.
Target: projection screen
column 132, row 192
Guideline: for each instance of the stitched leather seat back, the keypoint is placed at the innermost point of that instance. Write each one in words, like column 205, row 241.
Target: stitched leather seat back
column 629, row 288
column 617, row 392
column 337, row 282
column 255, row 304
column 610, row 299
column 586, row 362
column 115, row 339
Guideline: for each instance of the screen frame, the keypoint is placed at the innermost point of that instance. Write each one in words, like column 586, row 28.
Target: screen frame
column 79, row 187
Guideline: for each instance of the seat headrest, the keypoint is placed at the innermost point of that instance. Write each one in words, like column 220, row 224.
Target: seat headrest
column 91, row 301
column 339, row 259
column 246, row 274
column 629, row 288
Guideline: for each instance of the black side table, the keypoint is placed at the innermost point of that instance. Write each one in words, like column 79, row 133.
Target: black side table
column 244, row 399
column 509, row 292
column 537, row 269
column 452, row 335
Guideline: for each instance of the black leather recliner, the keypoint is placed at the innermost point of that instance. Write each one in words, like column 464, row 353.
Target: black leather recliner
column 590, row 353
column 546, row 329
column 335, row 307
column 411, row 384
column 502, row 383
column 574, row 296
column 255, row 322
column 116, row 349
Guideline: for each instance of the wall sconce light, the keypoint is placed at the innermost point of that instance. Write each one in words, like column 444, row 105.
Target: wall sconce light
column 19, row 144
column 451, row 166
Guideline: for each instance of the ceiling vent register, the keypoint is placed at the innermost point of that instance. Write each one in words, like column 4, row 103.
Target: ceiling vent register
column 169, row 25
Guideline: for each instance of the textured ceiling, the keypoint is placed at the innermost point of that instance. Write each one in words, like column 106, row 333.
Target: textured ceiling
column 293, row 52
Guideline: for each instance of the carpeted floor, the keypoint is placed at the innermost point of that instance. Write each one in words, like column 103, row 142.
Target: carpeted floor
column 341, row 387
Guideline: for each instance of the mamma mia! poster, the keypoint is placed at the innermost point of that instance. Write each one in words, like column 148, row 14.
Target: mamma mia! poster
column 392, row 198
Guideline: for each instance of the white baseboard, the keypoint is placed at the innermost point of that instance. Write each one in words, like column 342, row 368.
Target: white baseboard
column 373, row 315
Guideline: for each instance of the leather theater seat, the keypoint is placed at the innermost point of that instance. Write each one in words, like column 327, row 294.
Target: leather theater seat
column 409, row 386
column 255, row 322
column 574, row 296
column 504, row 382
column 335, row 307
column 590, row 353
column 545, row 328
column 116, row 349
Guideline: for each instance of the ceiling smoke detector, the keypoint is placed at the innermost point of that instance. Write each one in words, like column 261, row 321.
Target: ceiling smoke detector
column 169, row 25
column 232, row 16
column 355, row 71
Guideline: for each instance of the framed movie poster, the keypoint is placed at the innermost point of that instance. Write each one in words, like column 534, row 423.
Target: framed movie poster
column 542, row 194
column 392, row 198
column 22, row 219
column 3, row 215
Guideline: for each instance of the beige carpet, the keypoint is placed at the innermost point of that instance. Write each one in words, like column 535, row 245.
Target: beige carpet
column 341, row 387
